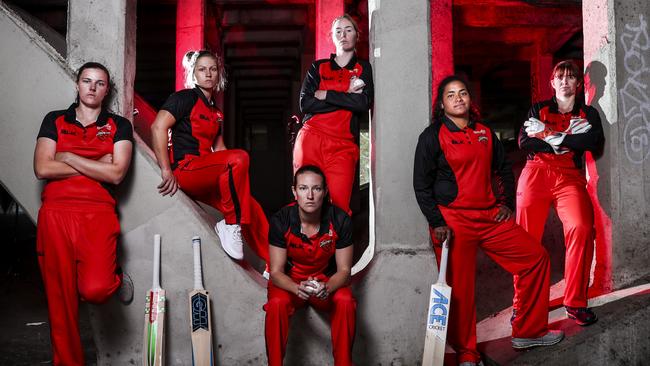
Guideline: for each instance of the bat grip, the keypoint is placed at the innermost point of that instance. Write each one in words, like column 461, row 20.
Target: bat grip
column 198, row 278
column 156, row 262
column 442, row 273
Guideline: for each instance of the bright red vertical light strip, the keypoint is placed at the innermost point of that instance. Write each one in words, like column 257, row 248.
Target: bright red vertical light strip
column 190, row 25
column 326, row 11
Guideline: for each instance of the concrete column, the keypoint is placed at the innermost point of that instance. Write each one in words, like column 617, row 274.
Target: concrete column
column 600, row 93
column 442, row 48
column 403, row 260
column 631, row 209
column 541, row 66
column 326, row 11
column 190, row 25
column 104, row 31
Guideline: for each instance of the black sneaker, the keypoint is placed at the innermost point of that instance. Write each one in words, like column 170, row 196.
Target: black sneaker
column 582, row 316
column 125, row 292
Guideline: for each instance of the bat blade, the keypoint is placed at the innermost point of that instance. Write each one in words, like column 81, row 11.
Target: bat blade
column 437, row 316
column 200, row 317
column 437, row 323
column 154, row 323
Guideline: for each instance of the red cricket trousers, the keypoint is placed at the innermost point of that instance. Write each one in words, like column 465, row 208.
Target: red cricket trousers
column 337, row 158
column 515, row 251
column 281, row 305
column 541, row 186
column 221, row 180
column 76, row 249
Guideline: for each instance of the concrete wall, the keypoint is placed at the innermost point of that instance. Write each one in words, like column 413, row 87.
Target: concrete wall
column 631, row 204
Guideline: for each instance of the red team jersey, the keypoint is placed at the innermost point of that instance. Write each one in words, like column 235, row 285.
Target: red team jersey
column 92, row 142
column 338, row 114
column 310, row 256
column 198, row 123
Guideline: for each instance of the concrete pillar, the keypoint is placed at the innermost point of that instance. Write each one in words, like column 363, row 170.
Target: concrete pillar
column 326, row 11
column 190, row 25
column 442, row 48
column 104, row 31
column 403, row 260
column 631, row 209
column 541, row 67
column 600, row 92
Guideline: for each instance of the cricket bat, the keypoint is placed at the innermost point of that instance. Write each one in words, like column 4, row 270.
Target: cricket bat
column 200, row 317
column 154, row 315
column 438, row 315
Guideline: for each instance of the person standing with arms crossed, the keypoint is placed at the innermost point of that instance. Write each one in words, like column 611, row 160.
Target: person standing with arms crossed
column 556, row 135
column 83, row 153
column 334, row 94
column 455, row 159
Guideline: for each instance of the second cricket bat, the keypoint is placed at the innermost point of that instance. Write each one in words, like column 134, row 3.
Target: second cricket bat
column 154, row 311
column 200, row 318
column 438, row 315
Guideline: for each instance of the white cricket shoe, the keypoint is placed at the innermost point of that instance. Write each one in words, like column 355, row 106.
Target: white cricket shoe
column 230, row 237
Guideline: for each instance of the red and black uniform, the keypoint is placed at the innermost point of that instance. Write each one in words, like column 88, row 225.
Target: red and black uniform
column 331, row 126
column 558, row 180
column 452, row 178
column 218, row 178
column 310, row 256
column 78, row 228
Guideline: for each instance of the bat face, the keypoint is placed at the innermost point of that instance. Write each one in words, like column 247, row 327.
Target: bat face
column 201, row 332
column 200, row 311
column 153, row 330
column 437, row 322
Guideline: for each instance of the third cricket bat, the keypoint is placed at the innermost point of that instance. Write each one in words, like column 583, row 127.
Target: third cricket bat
column 154, row 311
column 438, row 315
column 200, row 318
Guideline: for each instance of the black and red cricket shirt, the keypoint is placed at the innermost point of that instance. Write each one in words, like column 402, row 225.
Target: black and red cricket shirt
column 198, row 123
column 310, row 256
column 92, row 142
column 454, row 168
column 338, row 115
column 540, row 151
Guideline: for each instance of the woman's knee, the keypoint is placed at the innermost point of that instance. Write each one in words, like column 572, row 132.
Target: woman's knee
column 97, row 293
column 344, row 297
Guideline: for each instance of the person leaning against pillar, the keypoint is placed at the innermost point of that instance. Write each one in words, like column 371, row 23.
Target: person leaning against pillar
column 334, row 94
column 311, row 261
column 555, row 136
column 83, row 153
column 455, row 159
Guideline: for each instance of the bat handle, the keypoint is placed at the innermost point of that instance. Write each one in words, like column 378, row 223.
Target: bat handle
column 156, row 261
column 198, row 277
column 442, row 274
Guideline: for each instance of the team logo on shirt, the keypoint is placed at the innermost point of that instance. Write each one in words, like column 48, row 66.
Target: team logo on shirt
column 480, row 132
column 483, row 139
column 103, row 132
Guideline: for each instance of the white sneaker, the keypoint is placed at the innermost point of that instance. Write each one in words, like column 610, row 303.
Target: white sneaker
column 230, row 237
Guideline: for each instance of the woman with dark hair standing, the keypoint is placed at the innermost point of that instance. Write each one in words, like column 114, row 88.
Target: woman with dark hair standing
column 556, row 135
column 311, row 261
column 198, row 161
column 335, row 93
column 83, row 153
column 455, row 159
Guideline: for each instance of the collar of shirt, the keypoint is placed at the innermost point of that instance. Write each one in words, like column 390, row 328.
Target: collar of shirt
column 451, row 126
column 294, row 220
column 349, row 66
column 209, row 103
column 70, row 115
column 577, row 106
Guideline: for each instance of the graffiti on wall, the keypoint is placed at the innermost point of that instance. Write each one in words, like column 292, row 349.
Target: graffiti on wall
column 635, row 94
